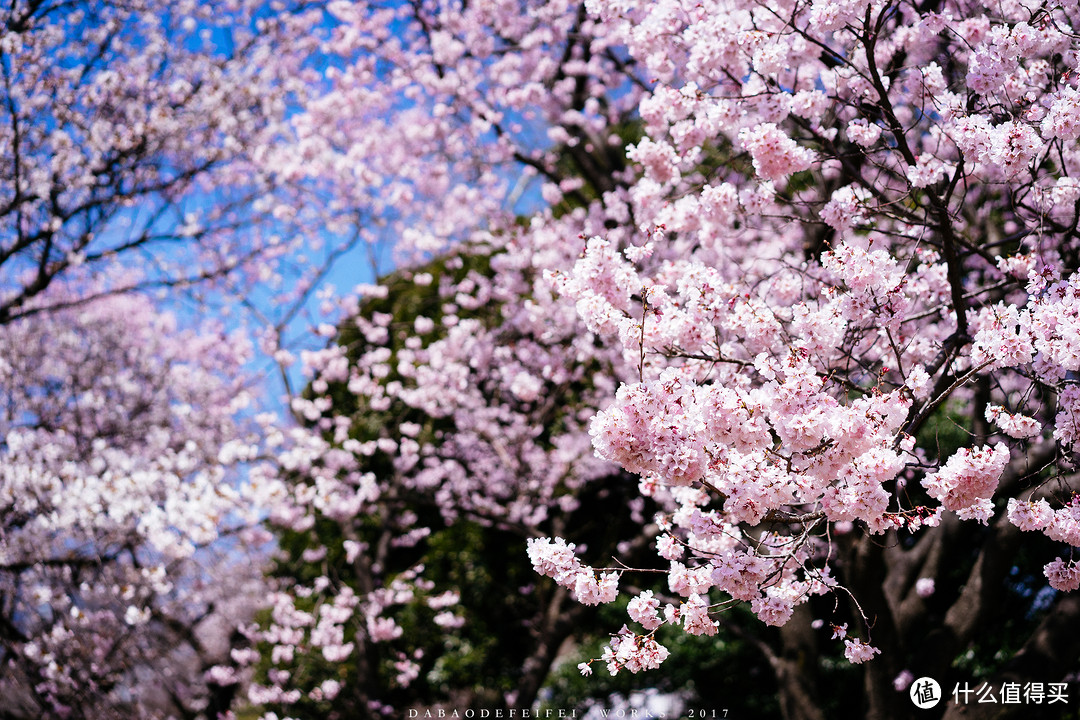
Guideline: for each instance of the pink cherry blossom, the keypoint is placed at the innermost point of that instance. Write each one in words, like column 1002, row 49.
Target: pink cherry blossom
column 856, row 651
column 775, row 154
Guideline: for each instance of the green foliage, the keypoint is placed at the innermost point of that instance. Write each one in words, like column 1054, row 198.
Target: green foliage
column 947, row 430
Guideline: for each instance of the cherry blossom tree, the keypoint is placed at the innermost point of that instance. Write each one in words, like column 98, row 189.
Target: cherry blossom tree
column 132, row 135
column 830, row 301
column 139, row 134
column 122, row 513
column 412, row 512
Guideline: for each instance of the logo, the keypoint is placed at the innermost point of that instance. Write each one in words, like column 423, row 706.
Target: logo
column 925, row 693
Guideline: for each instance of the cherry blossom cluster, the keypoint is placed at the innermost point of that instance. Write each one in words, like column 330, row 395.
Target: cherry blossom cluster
column 635, row 653
column 556, row 560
